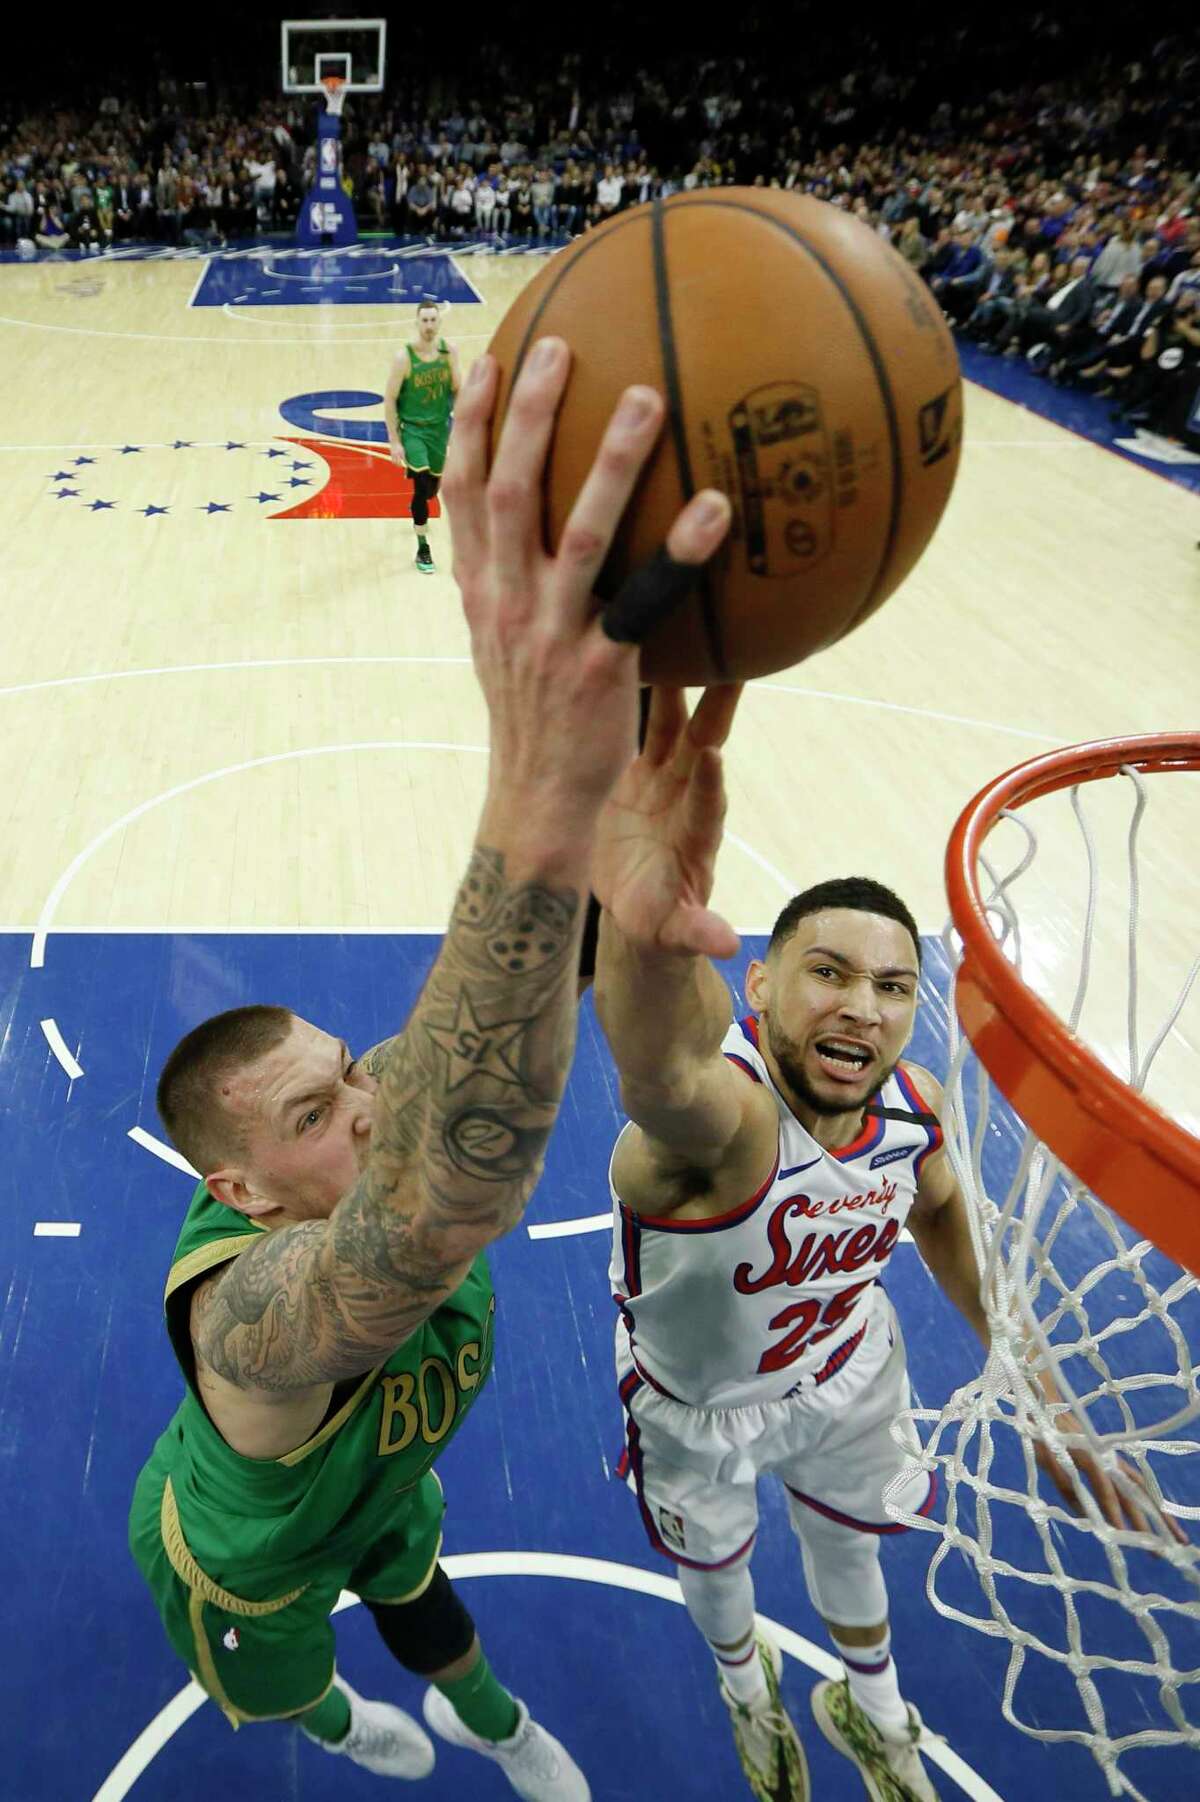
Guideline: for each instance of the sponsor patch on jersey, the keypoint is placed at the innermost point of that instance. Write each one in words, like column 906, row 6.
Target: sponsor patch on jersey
column 671, row 1527
column 890, row 1156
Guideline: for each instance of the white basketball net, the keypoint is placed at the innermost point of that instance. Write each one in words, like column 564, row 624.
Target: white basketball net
column 1115, row 1337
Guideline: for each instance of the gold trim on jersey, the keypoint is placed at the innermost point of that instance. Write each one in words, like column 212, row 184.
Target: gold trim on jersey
column 412, row 1594
column 333, row 1423
column 205, row 1257
column 182, row 1562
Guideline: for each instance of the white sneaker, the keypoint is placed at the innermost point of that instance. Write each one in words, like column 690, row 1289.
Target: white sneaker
column 768, row 1745
column 537, row 1766
column 890, row 1767
column 382, row 1738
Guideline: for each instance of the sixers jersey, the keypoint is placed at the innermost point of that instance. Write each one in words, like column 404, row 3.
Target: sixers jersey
column 776, row 1293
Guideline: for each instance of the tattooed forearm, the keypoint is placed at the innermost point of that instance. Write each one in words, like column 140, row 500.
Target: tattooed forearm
column 467, row 1097
column 468, row 1093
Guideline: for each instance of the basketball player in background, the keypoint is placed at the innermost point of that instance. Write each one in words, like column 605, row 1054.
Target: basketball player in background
column 417, row 405
column 759, row 1190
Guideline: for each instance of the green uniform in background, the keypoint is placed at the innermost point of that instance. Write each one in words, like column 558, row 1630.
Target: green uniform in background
column 423, row 408
column 246, row 1557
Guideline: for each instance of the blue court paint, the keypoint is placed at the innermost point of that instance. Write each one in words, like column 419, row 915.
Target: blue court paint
column 1084, row 414
column 362, row 276
column 87, row 1382
column 305, row 412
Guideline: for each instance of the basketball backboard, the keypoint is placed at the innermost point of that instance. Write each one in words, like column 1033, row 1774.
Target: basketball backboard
column 354, row 49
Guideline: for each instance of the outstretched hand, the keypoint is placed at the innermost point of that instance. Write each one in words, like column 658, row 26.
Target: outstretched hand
column 1118, row 1508
column 661, row 828
column 561, row 691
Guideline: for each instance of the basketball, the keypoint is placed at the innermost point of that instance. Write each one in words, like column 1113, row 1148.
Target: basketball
column 808, row 373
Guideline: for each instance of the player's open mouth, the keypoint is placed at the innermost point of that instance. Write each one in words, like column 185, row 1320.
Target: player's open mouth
column 842, row 1059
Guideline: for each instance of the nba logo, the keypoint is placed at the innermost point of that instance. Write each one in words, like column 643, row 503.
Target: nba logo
column 932, row 430
column 328, row 155
column 671, row 1528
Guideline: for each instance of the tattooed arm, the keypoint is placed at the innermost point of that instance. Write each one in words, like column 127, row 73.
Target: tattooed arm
column 468, row 1093
column 467, row 1096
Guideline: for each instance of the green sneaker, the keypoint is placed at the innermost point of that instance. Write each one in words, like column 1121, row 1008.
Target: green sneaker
column 767, row 1742
column 424, row 558
column 890, row 1768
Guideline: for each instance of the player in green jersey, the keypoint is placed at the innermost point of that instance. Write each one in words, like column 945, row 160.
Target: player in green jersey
column 419, row 399
column 328, row 1300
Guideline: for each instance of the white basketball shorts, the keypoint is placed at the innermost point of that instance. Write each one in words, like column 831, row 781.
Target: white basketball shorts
column 695, row 1470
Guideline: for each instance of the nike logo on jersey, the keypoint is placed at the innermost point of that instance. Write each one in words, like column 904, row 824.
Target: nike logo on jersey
column 797, row 1168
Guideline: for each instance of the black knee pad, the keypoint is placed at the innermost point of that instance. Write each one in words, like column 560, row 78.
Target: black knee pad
column 427, row 1634
column 425, row 486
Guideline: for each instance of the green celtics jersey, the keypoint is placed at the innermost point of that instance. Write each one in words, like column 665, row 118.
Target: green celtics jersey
column 381, row 1434
column 426, row 393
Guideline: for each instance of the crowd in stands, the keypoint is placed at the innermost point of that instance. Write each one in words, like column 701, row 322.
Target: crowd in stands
column 1058, row 220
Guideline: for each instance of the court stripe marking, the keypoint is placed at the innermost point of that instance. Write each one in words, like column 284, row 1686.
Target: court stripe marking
column 37, row 955
column 167, row 1153
column 204, row 268
column 58, row 1046
column 346, row 325
column 925, row 713
column 213, row 340
column 192, row 669
column 464, row 277
column 565, row 1229
column 465, row 1565
column 787, row 688
column 57, row 1229
column 782, row 882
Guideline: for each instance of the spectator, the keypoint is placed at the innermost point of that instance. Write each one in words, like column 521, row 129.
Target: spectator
column 504, row 203
column 422, row 205
column 962, row 274
column 608, row 194
column 51, row 231
column 1038, row 286
column 911, row 245
column 1126, row 356
column 1188, row 280
column 567, row 200
column 166, row 202
column 522, row 205
column 1120, row 257
column 399, row 194
column 18, row 212
column 995, row 298
column 124, row 205
column 1172, row 404
column 1112, row 323
column 542, row 194
column 1061, row 323
column 462, row 204
column 485, row 207
column 587, row 196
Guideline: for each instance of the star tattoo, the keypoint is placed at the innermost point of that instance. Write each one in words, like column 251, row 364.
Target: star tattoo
column 476, row 1050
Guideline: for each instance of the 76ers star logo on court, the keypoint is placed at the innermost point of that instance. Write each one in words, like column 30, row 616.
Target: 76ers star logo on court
column 342, row 471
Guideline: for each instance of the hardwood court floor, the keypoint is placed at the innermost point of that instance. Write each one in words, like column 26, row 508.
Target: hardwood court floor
column 271, row 770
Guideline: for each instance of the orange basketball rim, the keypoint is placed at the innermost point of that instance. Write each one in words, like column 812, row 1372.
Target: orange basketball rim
column 1130, row 1154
